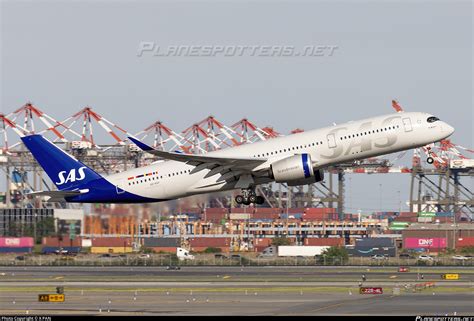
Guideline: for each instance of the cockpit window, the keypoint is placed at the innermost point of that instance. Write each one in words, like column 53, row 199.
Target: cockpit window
column 432, row 119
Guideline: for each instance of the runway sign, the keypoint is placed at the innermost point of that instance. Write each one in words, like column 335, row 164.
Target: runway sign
column 452, row 276
column 51, row 298
column 367, row 290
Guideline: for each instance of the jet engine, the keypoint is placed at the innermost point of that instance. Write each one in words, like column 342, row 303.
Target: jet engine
column 295, row 170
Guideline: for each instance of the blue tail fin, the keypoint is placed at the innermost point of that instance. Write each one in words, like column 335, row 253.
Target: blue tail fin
column 63, row 169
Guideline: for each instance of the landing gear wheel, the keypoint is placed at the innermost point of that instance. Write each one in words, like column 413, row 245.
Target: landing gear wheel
column 239, row 199
column 260, row 200
column 246, row 202
column 430, row 160
column 253, row 198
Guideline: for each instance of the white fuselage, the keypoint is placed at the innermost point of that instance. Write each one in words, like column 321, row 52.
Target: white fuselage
column 327, row 146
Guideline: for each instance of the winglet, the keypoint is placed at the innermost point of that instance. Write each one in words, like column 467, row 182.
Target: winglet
column 141, row 145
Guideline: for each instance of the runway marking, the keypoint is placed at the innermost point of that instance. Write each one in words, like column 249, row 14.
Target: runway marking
column 328, row 307
column 352, row 301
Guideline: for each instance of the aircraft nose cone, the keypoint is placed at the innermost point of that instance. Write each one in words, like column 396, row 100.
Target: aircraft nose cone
column 449, row 129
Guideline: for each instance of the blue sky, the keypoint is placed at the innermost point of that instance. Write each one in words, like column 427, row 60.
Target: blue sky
column 63, row 56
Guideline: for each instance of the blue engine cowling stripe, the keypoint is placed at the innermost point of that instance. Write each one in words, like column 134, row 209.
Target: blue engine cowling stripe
column 306, row 171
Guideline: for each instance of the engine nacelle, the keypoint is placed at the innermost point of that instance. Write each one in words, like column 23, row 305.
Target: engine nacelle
column 318, row 177
column 293, row 168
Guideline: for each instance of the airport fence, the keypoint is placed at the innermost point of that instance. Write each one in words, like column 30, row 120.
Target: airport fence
column 211, row 260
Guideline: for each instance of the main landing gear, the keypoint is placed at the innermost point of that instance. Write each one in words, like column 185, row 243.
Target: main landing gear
column 248, row 196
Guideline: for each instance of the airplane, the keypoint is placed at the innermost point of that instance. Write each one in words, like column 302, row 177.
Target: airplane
column 297, row 159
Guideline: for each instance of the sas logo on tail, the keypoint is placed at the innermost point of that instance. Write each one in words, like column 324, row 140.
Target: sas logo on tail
column 71, row 177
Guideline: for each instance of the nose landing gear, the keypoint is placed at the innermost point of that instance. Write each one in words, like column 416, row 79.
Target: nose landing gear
column 248, row 197
column 430, row 159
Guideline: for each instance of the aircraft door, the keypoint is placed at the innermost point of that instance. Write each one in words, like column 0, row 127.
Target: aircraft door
column 118, row 187
column 331, row 140
column 407, row 124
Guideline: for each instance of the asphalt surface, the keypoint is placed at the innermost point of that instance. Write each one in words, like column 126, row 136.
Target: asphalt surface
column 211, row 273
column 234, row 291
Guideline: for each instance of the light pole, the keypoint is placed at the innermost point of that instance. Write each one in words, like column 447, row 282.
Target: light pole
column 439, row 245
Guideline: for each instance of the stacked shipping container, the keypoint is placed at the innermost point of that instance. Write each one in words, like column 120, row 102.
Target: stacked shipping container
column 319, row 214
column 111, row 245
column 200, row 244
column 465, row 242
column 16, row 244
column 167, row 245
column 324, row 241
column 51, row 244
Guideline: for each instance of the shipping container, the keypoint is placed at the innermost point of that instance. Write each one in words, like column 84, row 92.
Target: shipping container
column 262, row 242
column 270, row 216
column 111, row 241
column 320, row 210
column 424, row 242
column 444, row 214
column 66, row 241
column 162, row 242
column 164, row 249
column 369, row 242
column 408, row 214
column 111, row 249
column 267, row 210
column 22, row 242
column 210, row 241
column 216, row 210
column 333, row 241
column 259, row 248
column 294, row 210
column 319, row 217
column 465, row 241
column 265, row 220
column 16, row 249
column 224, row 249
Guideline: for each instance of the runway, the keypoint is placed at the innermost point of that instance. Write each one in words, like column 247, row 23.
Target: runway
column 232, row 291
column 232, row 273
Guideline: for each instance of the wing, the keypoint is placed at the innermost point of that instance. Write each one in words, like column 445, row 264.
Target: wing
column 197, row 160
column 239, row 170
column 57, row 196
